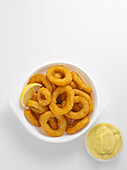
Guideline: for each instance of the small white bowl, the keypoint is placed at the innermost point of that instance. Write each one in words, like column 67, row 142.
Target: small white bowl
column 100, row 101
column 110, row 159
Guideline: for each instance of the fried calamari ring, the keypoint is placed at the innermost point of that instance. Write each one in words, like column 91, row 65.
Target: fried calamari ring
column 80, row 83
column 63, row 71
column 76, row 107
column 36, row 108
column 53, row 123
column 73, row 85
column 53, row 86
column 77, row 125
column 41, row 79
column 86, row 96
column 57, row 75
column 62, row 105
column 69, row 120
column 62, row 124
column 69, row 100
column 61, row 98
column 33, row 119
column 81, row 113
column 43, row 96
column 34, row 97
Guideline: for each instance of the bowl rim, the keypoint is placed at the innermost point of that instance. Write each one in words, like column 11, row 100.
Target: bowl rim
column 48, row 138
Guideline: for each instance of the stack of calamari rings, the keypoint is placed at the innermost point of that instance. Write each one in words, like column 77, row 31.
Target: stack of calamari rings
column 62, row 104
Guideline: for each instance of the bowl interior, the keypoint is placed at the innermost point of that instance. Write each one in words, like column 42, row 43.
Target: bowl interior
column 38, row 132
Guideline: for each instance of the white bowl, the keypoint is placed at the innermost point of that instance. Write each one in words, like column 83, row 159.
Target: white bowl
column 110, row 159
column 100, row 101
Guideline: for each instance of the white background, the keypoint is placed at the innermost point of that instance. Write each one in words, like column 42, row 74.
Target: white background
column 91, row 34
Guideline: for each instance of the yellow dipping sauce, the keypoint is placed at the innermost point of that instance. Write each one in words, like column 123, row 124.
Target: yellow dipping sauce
column 104, row 141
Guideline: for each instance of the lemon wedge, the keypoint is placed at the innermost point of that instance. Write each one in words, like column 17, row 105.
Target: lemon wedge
column 28, row 92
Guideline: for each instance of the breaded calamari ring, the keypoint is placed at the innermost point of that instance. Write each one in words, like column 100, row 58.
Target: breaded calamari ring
column 81, row 113
column 62, row 105
column 86, row 96
column 57, row 75
column 76, row 78
column 53, row 86
column 62, row 124
column 76, row 107
column 34, row 97
column 77, row 125
column 61, row 98
column 43, row 96
column 73, row 85
column 53, row 123
column 63, row 71
column 69, row 120
column 33, row 119
column 41, row 79
column 69, row 100
column 36, row 107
